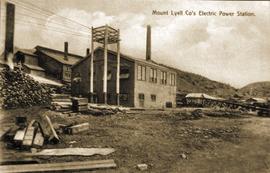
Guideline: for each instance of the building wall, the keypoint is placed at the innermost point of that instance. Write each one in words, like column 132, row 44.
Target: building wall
column 163, row 92
column 66, row 76
column 130, row 88
column 34, row 72
column 32, row 60
column 126, row 85
column 82, row 72
column 52, row 67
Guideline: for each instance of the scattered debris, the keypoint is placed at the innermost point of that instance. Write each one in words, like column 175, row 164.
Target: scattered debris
column 183, row 156
column 142, row 166
column 74, row 152
column 55, row 167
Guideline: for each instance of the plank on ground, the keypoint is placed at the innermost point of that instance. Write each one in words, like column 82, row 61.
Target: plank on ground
column 53, row 167
column 74, row 152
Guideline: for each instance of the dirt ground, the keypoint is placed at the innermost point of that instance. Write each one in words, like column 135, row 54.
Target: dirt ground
column 164, row 140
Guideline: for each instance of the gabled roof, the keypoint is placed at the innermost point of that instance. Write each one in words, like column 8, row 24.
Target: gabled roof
column 127, row 57
column 34, row 67
column 26, row 51
column 59, row 55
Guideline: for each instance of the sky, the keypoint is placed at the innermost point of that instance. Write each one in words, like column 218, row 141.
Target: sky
column 233, row 50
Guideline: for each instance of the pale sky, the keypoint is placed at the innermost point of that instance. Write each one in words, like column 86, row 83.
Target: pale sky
column 234, row 50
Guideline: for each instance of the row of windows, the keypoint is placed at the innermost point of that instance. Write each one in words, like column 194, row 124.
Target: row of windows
column 141, row 75
column 153, row 97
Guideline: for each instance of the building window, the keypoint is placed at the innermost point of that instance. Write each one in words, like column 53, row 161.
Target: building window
column 141, row 96
column 172, row 79
column 153, row 97
column 123, row 97
column 163, row 77
column 153, row 75
column 124, row 73
column 141, row 73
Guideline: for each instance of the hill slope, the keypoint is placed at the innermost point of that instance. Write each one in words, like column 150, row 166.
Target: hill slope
column 258, row 89
column 190, row 82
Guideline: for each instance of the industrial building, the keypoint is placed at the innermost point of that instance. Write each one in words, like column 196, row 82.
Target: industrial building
column 48, row 62
column 143, row 82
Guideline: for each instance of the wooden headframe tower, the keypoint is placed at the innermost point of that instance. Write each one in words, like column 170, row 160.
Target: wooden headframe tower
column 105, row 35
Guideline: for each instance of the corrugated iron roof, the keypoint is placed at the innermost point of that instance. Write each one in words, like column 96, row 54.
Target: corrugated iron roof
column 26, row 51
column 59, row 55
column 127, row 57
column 34, row 67
column 202, row 95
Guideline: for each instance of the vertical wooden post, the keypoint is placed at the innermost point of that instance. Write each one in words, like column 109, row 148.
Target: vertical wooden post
column 118, row 70
column 105, row 65
column 92, row 69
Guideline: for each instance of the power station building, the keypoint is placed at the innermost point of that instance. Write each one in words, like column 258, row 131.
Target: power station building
column 143, row 82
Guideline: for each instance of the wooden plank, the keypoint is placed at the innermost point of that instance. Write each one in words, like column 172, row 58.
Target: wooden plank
column 39, row 140
column 19, row 136
column 53, row 167
column 73, row 152
column 79, row 128
column 29, row 137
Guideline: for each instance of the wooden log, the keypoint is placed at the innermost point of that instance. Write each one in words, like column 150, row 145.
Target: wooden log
column 65, row 166
column 78, row 128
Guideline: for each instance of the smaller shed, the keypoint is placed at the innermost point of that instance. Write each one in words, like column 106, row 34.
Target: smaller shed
column 197, row 99
column 28, row 60
column 254, row 100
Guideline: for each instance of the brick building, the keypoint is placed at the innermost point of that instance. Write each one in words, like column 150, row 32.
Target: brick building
column 143, row 83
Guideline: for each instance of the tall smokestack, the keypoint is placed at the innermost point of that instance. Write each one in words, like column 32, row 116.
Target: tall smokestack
column 10, row 17
column 66, row 51
column 148, row 43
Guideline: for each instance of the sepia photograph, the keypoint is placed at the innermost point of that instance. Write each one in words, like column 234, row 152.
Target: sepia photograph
column 130, row 86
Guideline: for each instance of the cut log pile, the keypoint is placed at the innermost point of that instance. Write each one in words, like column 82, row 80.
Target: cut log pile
column 20, row 90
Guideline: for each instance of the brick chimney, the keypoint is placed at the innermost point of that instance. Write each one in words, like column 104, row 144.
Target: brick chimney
column 87, row 51
column 148, row 43
column 66, row 51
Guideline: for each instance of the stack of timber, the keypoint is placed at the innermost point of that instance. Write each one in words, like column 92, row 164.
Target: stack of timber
column 61, row 102
column 79, row 104
column 96, row 109
column 23, row 135
column 20, row 90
